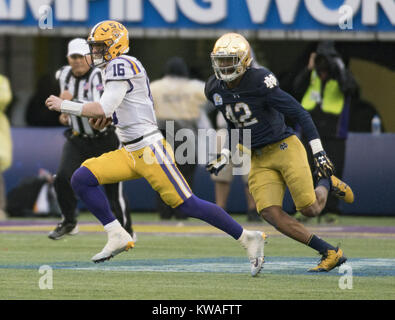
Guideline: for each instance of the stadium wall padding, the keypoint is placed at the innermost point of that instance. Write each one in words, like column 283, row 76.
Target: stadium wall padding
column 369, row 169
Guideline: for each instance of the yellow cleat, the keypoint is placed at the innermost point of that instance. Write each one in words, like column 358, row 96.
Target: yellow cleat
column 341, row 190
column 330, row 260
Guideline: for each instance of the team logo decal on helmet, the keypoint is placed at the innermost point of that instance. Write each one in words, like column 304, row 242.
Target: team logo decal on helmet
column 231, row 56
column 107, row 40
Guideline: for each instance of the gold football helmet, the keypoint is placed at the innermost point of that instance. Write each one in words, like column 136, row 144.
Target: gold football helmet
column 231, row 56
column 107, row 40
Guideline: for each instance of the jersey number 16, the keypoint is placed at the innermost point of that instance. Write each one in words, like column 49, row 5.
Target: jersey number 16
column 118, row 70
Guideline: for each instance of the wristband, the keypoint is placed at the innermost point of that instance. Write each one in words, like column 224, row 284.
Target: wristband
column 316, row 146
column 71, row 107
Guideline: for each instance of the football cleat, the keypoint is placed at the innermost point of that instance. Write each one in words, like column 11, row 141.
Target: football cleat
column 63, row 228
column 341, row 190
column 254, row 242
column 118, row 241
column 330, row 260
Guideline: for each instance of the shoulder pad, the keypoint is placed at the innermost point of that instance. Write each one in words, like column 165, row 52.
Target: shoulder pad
column 122, row 68
column 264, row 78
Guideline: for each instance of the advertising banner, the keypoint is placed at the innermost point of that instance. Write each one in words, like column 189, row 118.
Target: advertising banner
column 268, row 18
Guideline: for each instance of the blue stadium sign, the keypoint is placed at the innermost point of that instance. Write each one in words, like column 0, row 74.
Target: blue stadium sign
column 367, row 16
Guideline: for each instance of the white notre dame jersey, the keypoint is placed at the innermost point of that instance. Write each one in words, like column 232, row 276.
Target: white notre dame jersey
column 135, row 116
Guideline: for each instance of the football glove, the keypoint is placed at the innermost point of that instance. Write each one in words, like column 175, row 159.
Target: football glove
column 215, row 166
column 324, row 166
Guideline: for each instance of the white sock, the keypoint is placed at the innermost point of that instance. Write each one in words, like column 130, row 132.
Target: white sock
column 113, row 226
column 243, row 235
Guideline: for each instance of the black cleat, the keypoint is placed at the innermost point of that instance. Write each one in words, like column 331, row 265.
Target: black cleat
column 63, row 228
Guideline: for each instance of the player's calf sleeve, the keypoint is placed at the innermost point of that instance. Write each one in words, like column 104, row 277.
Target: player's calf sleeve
column 212, row 214
column 86, row 186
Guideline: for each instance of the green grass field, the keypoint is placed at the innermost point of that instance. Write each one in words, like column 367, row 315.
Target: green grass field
column 182, row 266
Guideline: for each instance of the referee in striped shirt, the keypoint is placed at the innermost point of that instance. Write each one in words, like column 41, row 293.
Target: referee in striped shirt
column 79, row 82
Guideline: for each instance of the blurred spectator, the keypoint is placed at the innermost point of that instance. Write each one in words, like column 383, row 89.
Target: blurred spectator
column 179, row 101
column 34, row 196
column 326, row 88
column 5, row 140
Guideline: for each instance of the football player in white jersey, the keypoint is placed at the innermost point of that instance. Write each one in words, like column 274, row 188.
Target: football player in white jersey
column 127, row 101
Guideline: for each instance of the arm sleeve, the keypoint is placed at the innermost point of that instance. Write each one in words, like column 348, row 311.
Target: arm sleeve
column 287, row 105
column 114, row 93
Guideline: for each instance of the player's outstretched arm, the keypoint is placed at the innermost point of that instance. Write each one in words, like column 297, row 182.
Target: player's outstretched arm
column 89, row 109
column 287, row 105
column 112, row 97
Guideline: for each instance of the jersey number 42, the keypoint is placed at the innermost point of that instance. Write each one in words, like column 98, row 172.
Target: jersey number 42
column 242, row 115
